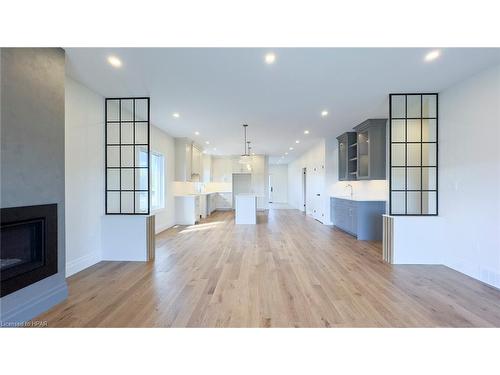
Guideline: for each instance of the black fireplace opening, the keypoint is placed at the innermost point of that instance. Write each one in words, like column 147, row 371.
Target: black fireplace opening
column 28, row 246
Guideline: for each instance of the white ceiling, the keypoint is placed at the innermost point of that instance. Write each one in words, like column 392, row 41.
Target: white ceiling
column 215, row 90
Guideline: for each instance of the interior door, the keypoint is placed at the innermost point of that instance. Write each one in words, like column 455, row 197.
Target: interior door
column 318, row 198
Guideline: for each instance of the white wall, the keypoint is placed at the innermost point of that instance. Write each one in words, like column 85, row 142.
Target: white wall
column 313, row 158
column 84, row 168
column 469, row 176
column 279, row 181
column 467, row 235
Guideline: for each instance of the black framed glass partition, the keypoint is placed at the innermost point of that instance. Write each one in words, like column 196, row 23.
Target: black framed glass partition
column 127, row 161
column 413, row 154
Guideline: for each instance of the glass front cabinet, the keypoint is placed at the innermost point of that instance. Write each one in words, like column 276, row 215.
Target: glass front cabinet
column 371, row 149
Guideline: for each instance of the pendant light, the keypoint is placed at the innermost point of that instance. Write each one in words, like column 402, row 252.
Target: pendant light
column 245, row 157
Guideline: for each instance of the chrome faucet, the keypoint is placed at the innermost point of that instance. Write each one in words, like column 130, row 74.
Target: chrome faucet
column 352, row 190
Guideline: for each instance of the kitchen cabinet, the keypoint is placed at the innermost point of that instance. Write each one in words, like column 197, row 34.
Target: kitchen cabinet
column 187, row 209
column 188, row 160
column 371, row 149
column 222, row 169
column 347, row 156
column 361, row 218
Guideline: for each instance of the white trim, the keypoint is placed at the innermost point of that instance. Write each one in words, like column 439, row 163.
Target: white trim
column 81, row 263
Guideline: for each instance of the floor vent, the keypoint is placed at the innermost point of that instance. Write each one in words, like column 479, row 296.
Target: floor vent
column 388, row 239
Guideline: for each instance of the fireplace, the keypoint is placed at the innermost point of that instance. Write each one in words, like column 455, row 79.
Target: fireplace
column 28, row 249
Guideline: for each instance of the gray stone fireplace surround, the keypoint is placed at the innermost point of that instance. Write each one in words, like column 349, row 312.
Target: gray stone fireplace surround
column 32, row 159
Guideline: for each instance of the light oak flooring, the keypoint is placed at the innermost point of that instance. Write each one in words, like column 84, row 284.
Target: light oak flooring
column 286, row 271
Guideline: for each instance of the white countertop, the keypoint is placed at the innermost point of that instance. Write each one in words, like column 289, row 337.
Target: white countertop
column 204, row 193
column 357, row 199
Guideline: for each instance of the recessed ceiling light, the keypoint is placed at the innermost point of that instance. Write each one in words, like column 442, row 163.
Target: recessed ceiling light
column 207, row 142
column 432, row 55
column 270, row 58
column 306, row 131
column 115, row 61
column 215, row 148
column 297, row 141
column 196, row 133
column 176, row 114
column 291, row 148
column 253, row 153
column 324, row 113
column 286, row 153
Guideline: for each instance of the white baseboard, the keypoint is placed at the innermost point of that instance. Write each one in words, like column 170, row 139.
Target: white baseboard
column 81, row 263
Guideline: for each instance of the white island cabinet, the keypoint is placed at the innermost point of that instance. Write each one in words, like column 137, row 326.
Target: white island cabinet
column 246, row 209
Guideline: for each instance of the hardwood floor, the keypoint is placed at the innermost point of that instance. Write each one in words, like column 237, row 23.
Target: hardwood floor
column 286, row 271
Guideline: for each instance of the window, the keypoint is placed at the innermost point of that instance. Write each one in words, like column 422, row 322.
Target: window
column 126, row 156
column 413, row 178
column 157, row 181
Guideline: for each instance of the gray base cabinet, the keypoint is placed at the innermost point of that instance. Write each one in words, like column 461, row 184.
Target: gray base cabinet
column 362, row 219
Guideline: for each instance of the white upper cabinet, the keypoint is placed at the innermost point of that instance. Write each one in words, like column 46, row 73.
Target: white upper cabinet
column 188, row 160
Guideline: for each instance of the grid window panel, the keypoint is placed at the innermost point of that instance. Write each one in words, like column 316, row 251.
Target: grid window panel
column 413, row 154
column 127, row 146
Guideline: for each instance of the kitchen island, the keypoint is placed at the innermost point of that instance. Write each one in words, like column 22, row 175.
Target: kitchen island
column 245, row 209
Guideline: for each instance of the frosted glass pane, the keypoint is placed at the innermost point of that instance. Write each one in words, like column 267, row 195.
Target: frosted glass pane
column 141, row 156
column 113, row 179
column 141, row 179
column 413, row 106
column 127, row 156
column 141, row 133
column 429, row 154
column 413, row 179
column 397, row 202
column 113, row 156
column 141, row 110
column 398, row 131
column 127, row 179
column 398, row 106
column 398, row 179
column 113, row 110
column 141, row 202
column 113, row 202
column 398, row 155
column 429, row 178
column 429, row 202
column 127, row 110
column 127, row 133
column 429, row 131
column 429, row 106
column 113, row 133
column 413, row 154
column 414, row 131
column 413, row 202
column 127, row 202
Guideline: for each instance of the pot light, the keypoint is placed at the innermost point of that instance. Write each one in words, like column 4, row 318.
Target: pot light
column 432, row 55
column 115, row 61
column 297, row 141
column 291, row 148
column 176, row 115
column 306, row 131
column 324, row 113
column 286, row 153
column 270, row 58
column 196, row 133
column 207, row 142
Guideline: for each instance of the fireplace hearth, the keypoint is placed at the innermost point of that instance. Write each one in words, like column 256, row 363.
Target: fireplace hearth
column 28, row 249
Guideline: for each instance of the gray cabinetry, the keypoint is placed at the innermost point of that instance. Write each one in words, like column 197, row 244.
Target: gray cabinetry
column 371, row 149
column 347, row 156
column 362, row 219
